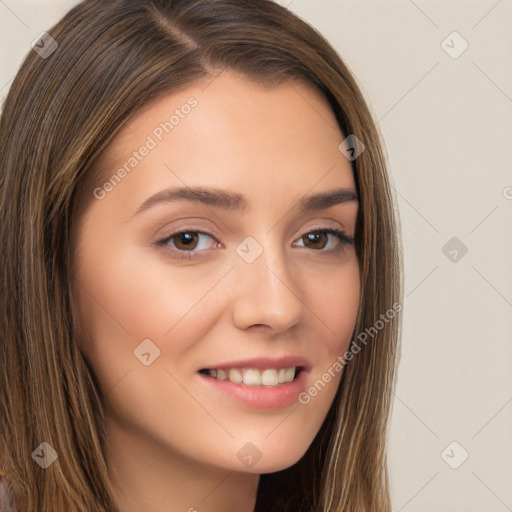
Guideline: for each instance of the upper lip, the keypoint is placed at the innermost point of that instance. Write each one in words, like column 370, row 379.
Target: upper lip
column 265, row 362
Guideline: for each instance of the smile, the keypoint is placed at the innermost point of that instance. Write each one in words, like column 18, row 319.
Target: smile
column 254, row 376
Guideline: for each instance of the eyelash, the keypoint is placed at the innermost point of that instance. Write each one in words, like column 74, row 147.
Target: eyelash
column 188, row 255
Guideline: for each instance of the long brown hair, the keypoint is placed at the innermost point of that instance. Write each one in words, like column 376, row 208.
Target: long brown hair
column 113, row 57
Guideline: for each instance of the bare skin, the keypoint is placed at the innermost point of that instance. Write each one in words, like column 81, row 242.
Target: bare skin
column 173, row 437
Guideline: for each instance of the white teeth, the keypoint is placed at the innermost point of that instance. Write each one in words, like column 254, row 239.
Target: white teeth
column 221, row 375
column 289, row 374
column 235, row 375
column 254, row 376
column 269, row 377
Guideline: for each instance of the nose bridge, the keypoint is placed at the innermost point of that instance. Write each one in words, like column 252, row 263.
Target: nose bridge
column 267, row 293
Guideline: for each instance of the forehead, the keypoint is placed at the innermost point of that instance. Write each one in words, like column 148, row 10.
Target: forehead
column 233, row 110
column 231, row 132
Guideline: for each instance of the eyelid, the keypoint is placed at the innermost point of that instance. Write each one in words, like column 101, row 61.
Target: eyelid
column 176, row 254
column 163, row 240
column 339, row 233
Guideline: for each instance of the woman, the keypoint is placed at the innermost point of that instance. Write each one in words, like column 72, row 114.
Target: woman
column 201, row 267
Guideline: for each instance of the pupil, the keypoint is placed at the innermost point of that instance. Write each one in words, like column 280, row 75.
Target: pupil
column 314, row 237
column 186, row 240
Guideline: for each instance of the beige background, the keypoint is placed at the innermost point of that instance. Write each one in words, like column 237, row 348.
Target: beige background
column 447, row 123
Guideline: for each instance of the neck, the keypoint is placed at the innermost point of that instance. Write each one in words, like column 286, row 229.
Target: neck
column 151, row 478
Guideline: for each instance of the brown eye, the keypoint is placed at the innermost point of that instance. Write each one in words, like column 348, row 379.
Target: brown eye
column 188, row 243
column 185, row 240
column 316, row 239
column 319, row 239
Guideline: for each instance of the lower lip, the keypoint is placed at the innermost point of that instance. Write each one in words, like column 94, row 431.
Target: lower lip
column 262, row 397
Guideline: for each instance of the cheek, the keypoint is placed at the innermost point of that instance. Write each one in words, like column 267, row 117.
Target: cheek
column 122, row 302
column 335, row 304
column 142, row 299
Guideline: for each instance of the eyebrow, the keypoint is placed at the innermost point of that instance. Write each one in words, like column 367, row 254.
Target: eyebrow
column 239, row 203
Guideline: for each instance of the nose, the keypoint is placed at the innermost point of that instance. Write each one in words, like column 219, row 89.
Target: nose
column 266, row 293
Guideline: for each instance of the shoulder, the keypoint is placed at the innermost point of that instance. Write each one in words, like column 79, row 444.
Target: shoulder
column 6, row 498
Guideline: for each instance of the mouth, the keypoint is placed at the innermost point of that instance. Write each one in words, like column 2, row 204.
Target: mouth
column 255, row 377
column 263, row 383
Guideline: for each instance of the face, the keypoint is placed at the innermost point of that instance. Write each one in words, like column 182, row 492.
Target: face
column 210, row 258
